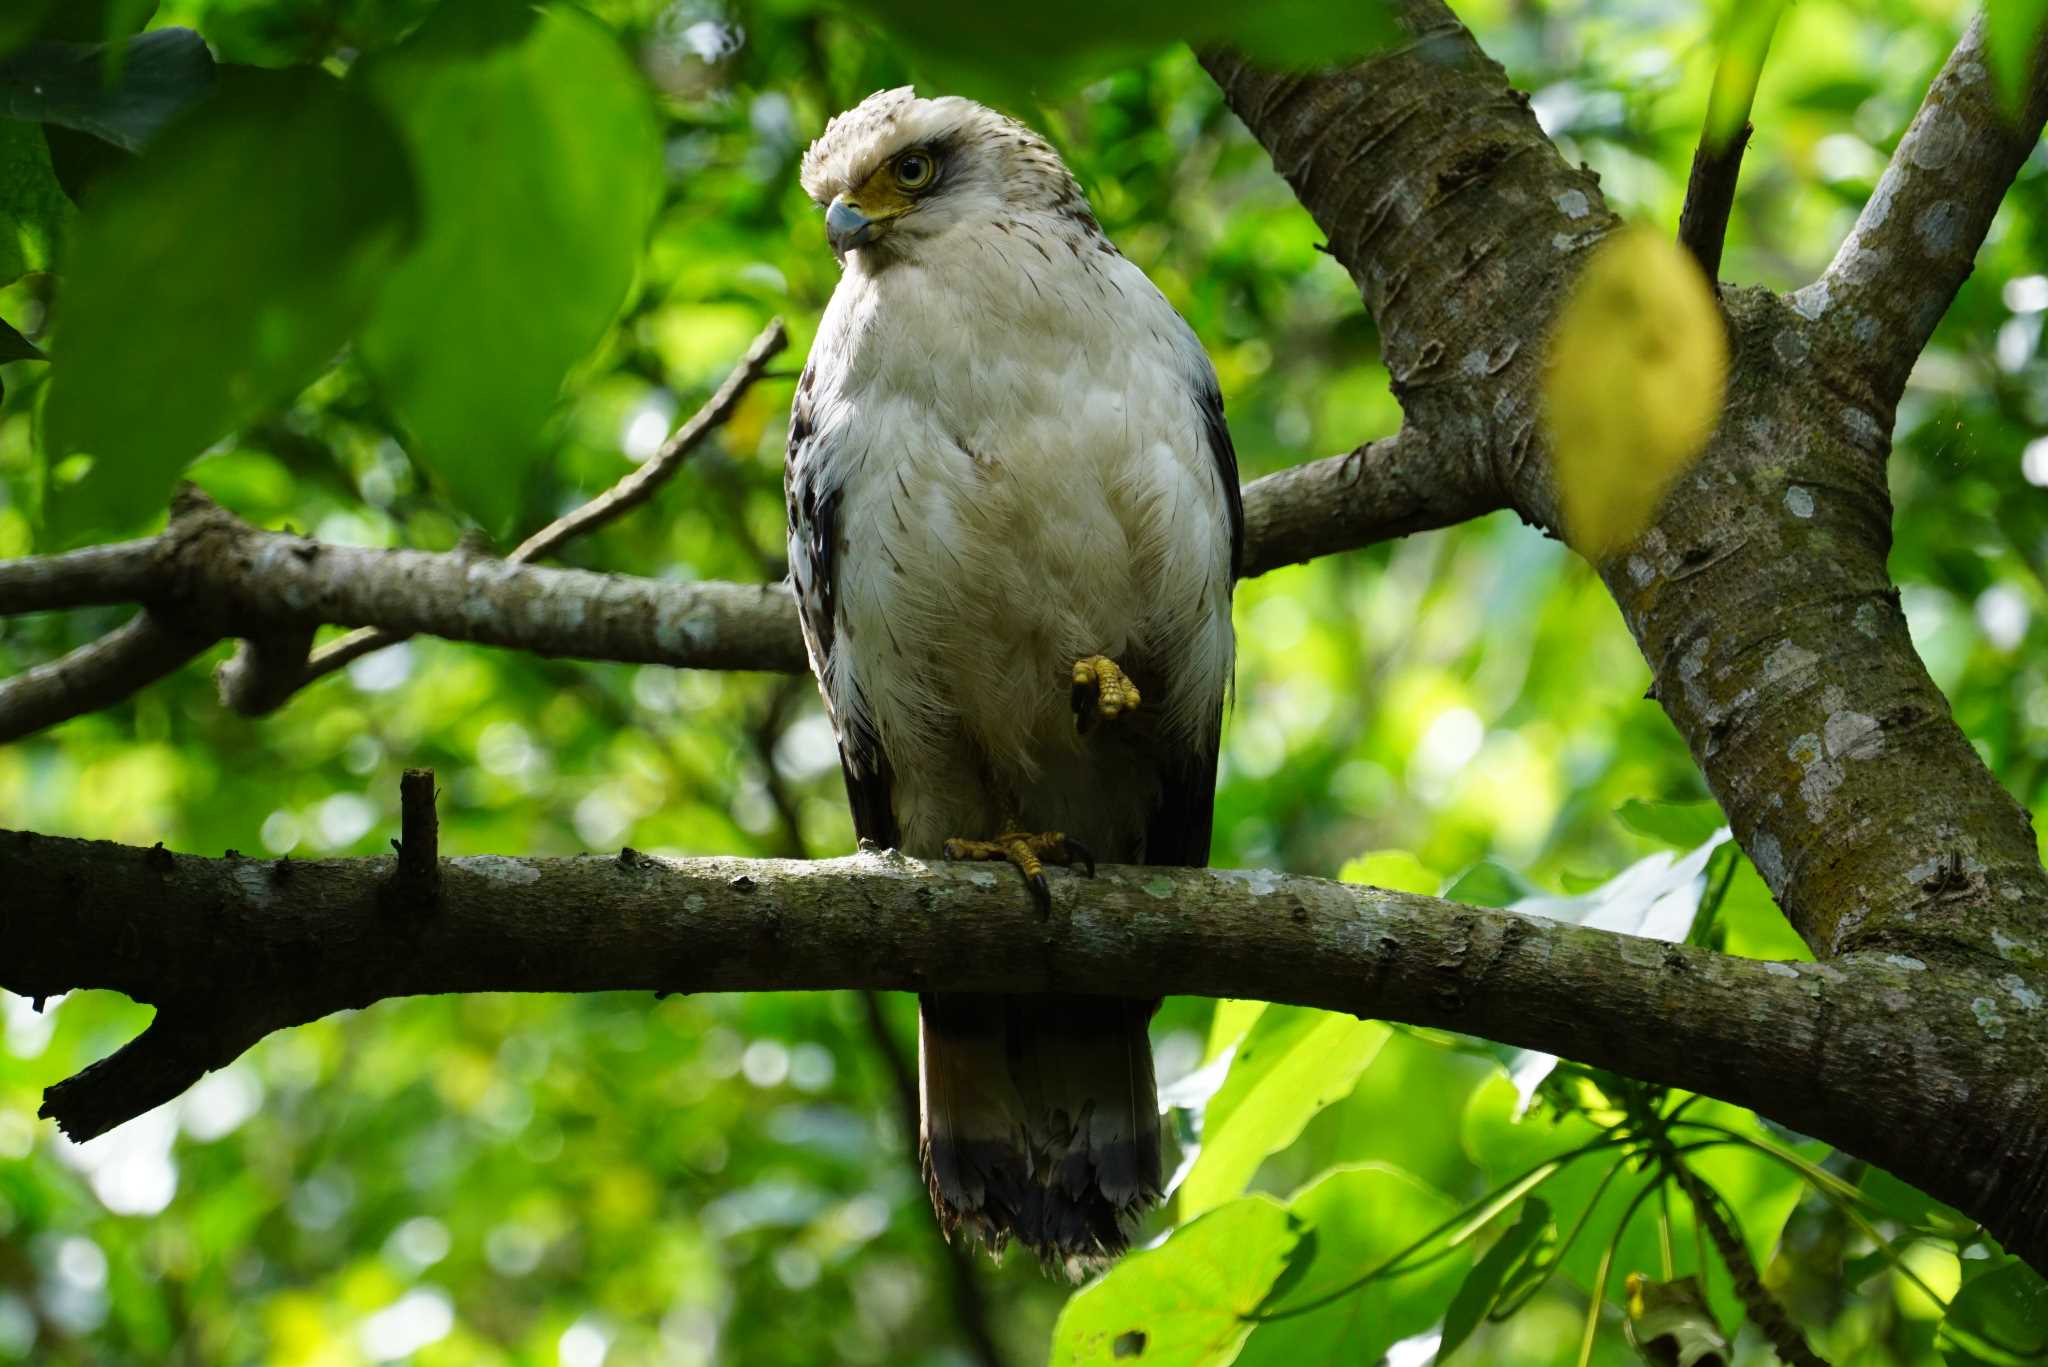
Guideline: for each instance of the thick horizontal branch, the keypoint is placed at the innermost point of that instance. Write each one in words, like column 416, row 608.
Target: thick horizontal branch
column 1885, row 1056
column 211, row 575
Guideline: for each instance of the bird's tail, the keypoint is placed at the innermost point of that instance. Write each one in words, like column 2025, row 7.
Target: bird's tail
column 1040, row 1121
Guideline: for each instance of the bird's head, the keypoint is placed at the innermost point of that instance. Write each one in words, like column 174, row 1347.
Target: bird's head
column 895, row 172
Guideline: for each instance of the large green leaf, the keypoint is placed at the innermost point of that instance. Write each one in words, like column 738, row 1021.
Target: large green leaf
column 540, row 162
column 1476, row 1294
column 1998, row 1319
column 1684, row 824
column 1056, row 42
column 20, row 21
column 34, row 211
column 1356, row 1220
column 1292, row 1063
column 1184, row 1303
column 290, row 32
column 214, row 278
column 160, row 75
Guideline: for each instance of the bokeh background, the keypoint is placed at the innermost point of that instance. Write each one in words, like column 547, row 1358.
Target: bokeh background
column 615, row 1179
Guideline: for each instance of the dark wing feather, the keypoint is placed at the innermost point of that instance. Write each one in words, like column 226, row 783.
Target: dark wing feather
column 1224, row 452
column 814, row 549
column 1180, row 825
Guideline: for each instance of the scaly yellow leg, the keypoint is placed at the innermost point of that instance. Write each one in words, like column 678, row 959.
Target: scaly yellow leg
column 1030, row 852
column 1102, row 691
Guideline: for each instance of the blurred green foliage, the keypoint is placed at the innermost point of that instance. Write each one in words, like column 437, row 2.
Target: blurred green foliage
column 619, row 1180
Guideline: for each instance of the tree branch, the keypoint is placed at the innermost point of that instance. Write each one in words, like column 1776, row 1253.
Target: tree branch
column 1760, row 597
column 1385, row 489
column 227, row 578
column 134, row 655
column 265, row 672
column 233, row 947
column 1915, row 241
column 1710, row 198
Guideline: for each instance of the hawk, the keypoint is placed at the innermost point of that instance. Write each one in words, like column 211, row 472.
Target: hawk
column 1014, row 525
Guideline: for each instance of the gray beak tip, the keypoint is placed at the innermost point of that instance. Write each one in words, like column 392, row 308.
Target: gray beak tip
column 846, row 226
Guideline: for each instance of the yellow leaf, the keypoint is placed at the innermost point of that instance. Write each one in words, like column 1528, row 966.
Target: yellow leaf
column 1637, row 368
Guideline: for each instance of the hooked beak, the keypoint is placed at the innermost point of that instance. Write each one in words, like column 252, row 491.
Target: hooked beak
column 846, row 226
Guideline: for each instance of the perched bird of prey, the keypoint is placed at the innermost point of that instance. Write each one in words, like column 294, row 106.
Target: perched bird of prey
column 1014, row 524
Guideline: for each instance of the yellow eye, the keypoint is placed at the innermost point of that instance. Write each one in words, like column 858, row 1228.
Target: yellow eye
column 914, row 170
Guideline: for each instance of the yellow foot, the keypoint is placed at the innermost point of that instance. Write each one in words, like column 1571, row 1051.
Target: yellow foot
column 1030, row 853
column 1102, row 691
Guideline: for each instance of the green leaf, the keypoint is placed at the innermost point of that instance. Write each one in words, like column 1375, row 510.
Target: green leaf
column 1743, row 39
column 541, row 165
column 1292, row 1063
column 1058, row 43
column 1910, row 1205
column 1481, row 1287
column 34, row 211
column 1184, row 1302
column 15, row 347
column 1684, row 824
column 1488, row 884
column 162, row 73
column 1999, row 1319
column 21, row 21
column 295, row 32
column 1232, row 1017
column 215, row 278
column 1357, row 1219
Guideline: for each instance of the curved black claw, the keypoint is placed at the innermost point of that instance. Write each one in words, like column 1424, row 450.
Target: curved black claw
column 1040, row 892
column 1083, row 853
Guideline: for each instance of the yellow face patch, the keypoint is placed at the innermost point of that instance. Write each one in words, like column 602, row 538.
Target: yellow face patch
column 880, row 197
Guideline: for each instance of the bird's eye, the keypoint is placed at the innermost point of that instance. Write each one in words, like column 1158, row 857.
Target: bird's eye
column 913, row 170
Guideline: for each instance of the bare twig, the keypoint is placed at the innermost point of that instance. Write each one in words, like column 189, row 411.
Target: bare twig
column 253, row 683
column 265, row 671
column 1710, row 197
column 416, row 884
column 1915, row 241
column 639, row 486
column 1745, row 42
column 132, row 656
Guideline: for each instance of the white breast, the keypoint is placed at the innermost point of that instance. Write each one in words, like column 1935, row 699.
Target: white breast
column 1014, row 427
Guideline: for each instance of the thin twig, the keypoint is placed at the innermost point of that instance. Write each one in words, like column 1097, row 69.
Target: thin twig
column 639, row 485
column 634, row 489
